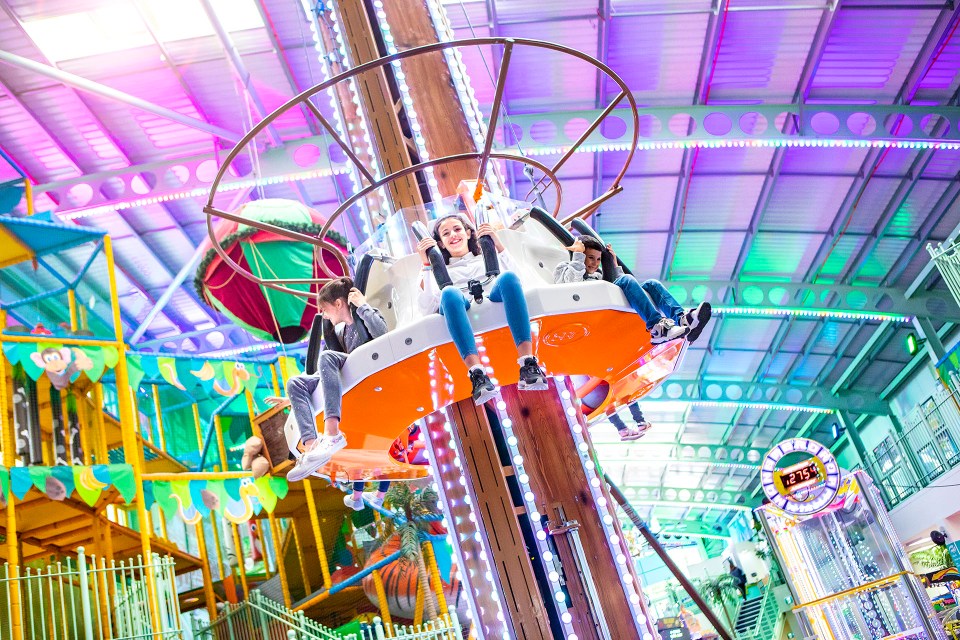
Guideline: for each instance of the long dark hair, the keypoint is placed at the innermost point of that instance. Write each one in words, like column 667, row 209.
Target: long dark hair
column 472, row 243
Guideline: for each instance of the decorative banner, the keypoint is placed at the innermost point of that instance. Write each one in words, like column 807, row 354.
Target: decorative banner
column 202, row 377
column 59, row 483
column 236, row 500
column 61, row 364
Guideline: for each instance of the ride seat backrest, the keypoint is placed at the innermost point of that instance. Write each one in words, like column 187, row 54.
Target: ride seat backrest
column 392, row 288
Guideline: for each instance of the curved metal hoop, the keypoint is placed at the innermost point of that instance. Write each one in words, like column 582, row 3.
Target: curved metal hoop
column 304, row 98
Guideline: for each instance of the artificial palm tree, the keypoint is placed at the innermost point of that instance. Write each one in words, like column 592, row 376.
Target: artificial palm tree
column 412, row 509
column 719, row 591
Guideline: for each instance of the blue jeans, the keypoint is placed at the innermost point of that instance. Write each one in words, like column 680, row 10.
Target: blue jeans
column 650, row 300
column 382, row 487
column 506, row 289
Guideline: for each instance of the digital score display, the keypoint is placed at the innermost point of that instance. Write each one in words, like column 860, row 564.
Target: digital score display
column 799, row 476
column 804, row 488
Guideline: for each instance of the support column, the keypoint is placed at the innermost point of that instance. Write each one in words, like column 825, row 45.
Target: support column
column 9, row 461
column 128, row 426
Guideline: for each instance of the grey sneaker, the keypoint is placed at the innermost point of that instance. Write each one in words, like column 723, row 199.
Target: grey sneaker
column 532, row 377
column 696, row 319
column 666, row 330
column 483, row 389
column 356, row 505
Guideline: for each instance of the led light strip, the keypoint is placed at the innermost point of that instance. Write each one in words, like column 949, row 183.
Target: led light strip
column 733, row 404
column 75, row 214
column 617, row 546
column 358, row 139
column 812, row 313
column 721, row 144
column 407, row 99
column 461, row 82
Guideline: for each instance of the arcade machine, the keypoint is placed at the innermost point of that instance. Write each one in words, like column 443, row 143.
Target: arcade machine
column 846, row 568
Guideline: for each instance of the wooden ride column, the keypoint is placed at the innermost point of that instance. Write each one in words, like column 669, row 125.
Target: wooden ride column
column 482, row 476
column 439, row 112
column 563, row 494
column 378, row 105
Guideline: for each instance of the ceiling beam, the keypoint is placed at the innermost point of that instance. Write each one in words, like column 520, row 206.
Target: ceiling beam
column 760, row 394
column 749, row 295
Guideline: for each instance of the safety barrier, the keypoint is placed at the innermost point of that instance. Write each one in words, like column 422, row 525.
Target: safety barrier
column 90, row 599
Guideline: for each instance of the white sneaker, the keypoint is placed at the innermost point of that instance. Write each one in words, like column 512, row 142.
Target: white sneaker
column 372, row 499
column 356, row 505
column 667, row 330
column 316, row 457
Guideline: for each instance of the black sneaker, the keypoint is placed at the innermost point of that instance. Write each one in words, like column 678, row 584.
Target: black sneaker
column 532, row 377
column 696, row 320
column 483, row 388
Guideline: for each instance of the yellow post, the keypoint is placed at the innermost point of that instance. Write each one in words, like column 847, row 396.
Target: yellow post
column 263, row 548
column 317, row 533
column 9, row 461
column 382, row 600
column 241, row 565
column 83, row 318
column 278, row 554
column 128, row 423
column 83, row 417
column 156, row 408
column 72, row 304
column 103, row 455
column 418, row 606
column 205, row 568
column 196, row 423
column 216, row 543
column 276, row 379
column 28, row 194
column 303, row 567
column 220, row 445
column 434, row 572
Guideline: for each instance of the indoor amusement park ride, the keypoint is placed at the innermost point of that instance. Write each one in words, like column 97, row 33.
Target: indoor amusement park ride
column 535, row 535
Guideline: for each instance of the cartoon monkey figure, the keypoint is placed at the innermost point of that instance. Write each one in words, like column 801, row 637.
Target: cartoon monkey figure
column 61, row 364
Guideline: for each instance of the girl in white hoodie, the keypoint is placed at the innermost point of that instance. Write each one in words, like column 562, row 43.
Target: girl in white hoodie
column 457, row 240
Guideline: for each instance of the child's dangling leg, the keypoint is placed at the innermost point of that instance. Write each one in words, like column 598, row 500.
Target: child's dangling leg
column 453, row 308
column 507, row 289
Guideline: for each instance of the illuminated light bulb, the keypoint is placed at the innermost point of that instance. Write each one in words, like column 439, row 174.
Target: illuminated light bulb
column 566, row 617
column 554, row 576
column 560, row 596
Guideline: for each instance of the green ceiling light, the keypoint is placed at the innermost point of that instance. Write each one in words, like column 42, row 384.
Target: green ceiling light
column 801, row 312
column 914, row 344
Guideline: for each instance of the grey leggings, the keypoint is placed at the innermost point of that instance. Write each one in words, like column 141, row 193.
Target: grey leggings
column 300, row 391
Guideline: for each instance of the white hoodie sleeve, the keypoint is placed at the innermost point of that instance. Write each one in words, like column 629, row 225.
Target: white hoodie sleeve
column 428, row 299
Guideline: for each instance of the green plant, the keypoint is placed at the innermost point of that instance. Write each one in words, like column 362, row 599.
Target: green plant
column 412, row 509
column 934, row 558
column 719, row 592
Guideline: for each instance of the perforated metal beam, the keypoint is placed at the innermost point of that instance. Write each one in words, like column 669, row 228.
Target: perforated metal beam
column 883, row 301
column 790, row 397
column 715, row 455
column 683, row 497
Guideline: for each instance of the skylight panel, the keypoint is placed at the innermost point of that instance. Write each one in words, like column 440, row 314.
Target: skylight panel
column 118, row 26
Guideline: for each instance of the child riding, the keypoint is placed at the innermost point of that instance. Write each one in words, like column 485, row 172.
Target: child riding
column 458, row 243
column 349, row 322
column 663, row 315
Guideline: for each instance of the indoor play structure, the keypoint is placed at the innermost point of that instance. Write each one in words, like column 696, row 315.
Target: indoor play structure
column 143, row 482
column 847, row 570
